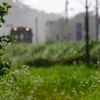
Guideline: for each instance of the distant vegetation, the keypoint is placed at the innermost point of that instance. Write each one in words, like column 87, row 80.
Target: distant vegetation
column 50, row 54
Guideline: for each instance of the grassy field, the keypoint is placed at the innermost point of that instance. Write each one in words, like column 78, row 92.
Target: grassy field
column 51, row 72
column 53, row 54
column 75, row 82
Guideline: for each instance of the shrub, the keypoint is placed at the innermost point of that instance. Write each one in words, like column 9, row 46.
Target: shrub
column 40, row 62
column 49, row 41
column 4, row 40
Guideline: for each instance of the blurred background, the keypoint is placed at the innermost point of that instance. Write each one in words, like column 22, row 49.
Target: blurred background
column 58, row 20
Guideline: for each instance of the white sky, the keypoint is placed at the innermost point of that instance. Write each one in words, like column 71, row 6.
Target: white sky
column 58, row 6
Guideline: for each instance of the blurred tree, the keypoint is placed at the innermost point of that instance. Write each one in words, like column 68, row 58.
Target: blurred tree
column 4, row 40
column 3, row 11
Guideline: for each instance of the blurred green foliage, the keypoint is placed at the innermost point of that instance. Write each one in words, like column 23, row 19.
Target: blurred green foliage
column 4, row 40
column 38, row 55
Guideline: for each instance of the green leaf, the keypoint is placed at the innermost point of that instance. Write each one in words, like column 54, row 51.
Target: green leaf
column 4, row 40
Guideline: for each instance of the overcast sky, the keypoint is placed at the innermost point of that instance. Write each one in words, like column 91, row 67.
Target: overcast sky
column 58, row 6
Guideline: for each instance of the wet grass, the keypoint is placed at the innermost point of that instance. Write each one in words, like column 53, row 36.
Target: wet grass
column 75, row 82
column 65, row 53
column 56, row 82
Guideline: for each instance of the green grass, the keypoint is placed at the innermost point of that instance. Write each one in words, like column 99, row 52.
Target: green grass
column 58, row 81
column 60, row 53
column 75, row 82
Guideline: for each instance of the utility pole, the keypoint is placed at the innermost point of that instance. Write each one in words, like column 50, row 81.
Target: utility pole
column 66, row 21
column 97, row 20
column 87, row 34
column 36, row 29
column 67, row 11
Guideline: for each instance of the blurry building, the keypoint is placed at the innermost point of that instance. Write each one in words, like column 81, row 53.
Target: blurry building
column 78, row 32
column 54, row 30
column 60, row 31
